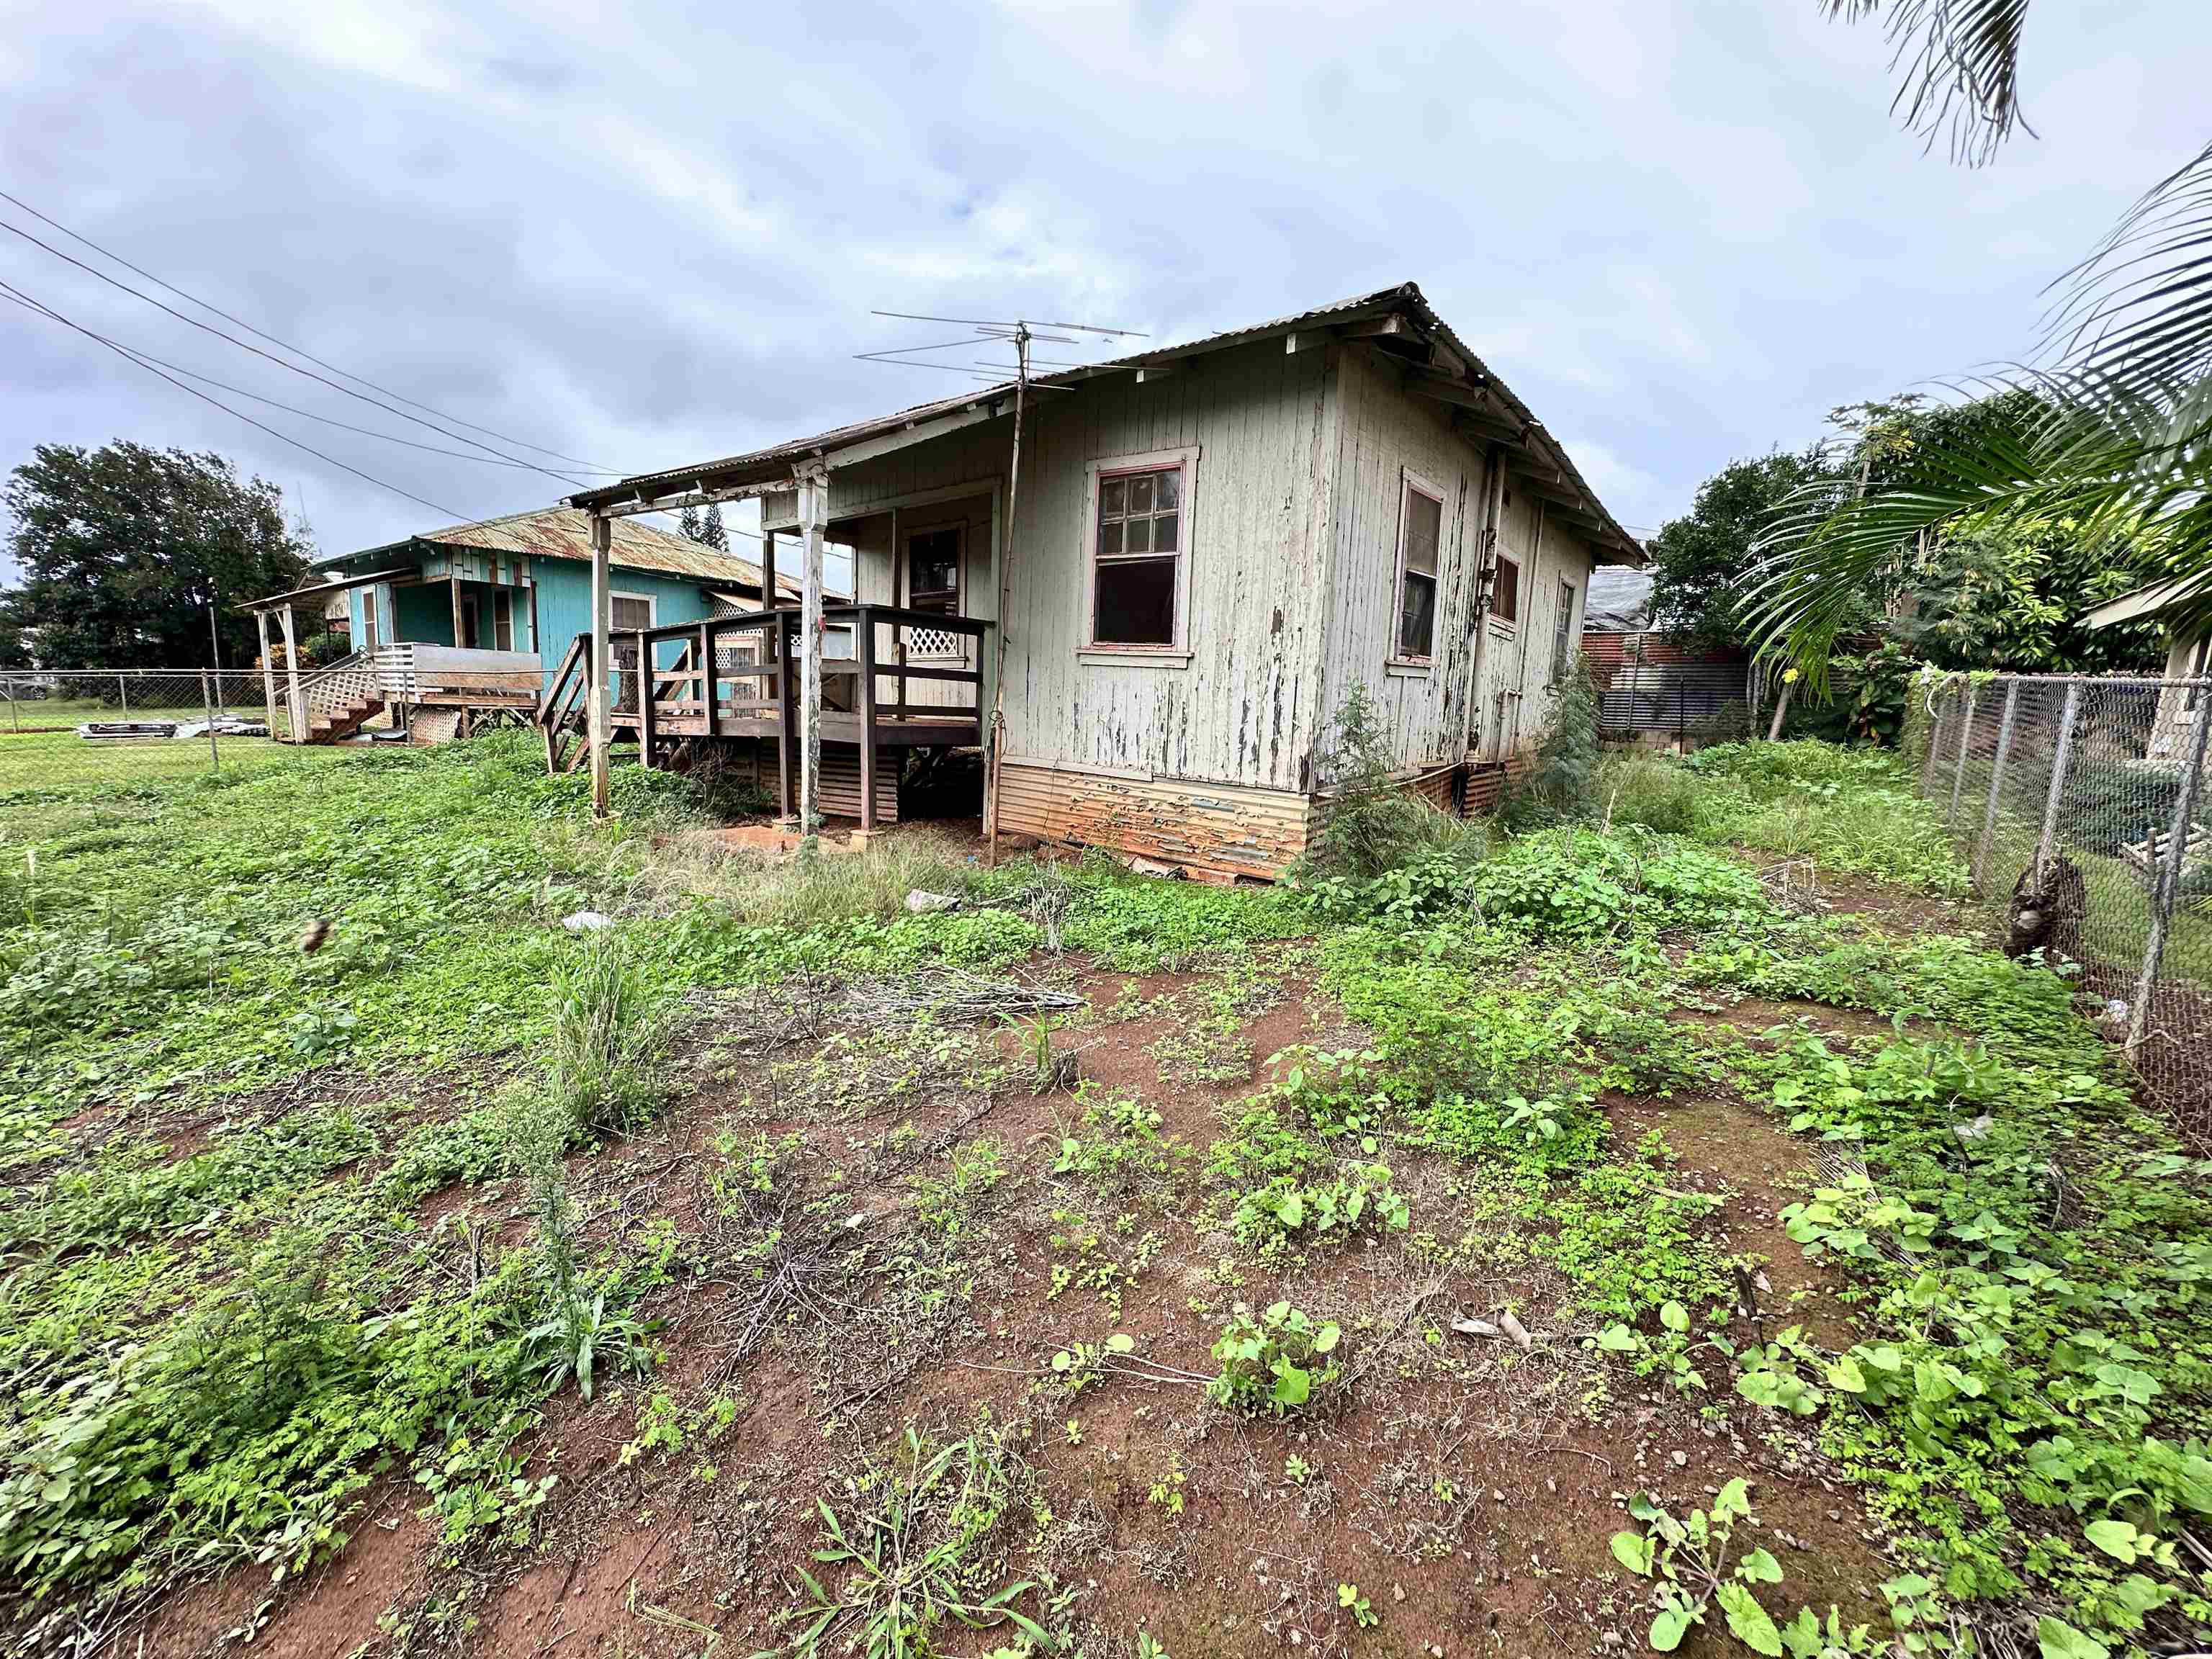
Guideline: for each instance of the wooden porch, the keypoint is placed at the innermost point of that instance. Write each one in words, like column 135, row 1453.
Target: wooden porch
column 737, row 677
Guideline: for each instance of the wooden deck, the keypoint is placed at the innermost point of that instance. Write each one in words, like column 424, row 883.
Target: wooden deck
column 736, row 679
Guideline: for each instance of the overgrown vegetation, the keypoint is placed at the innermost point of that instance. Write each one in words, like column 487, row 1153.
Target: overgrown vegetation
column 254, row 1272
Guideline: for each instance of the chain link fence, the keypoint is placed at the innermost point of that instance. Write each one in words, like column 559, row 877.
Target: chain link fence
column 89, row 727
column 2081, row 802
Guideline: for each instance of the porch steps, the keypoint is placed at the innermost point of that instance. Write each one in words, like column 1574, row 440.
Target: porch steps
column 342, row 720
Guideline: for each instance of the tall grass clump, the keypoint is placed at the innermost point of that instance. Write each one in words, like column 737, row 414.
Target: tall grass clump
column 760, row 890
column 610, row 1035
column 1657, row 791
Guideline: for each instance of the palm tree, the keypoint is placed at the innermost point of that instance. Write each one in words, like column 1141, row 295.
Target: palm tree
column 2117, row 435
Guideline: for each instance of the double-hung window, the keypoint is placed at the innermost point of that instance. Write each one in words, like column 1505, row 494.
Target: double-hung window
column 630, row 613
column 1420, row 531
column 1562, row 637
column 1140, row 538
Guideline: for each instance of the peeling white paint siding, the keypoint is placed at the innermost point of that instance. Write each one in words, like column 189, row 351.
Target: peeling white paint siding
column 1245, row 709
column 1290, row 537
column 1384, row 434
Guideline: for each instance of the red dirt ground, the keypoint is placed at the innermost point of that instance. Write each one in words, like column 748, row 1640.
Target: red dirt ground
column 1468, row 1488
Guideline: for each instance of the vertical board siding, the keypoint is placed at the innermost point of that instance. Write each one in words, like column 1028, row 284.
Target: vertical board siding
column 1245, row 709
column 1386, row 432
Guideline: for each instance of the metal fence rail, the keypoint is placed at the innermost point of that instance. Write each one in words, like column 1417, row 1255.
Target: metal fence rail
column 80, row 728
column 2080, row 800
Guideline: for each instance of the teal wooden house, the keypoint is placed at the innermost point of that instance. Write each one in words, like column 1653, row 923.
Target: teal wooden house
column 460, row 624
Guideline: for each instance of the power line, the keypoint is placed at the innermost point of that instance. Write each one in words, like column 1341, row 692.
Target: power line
column 145, row 358
column 295, row 350
column 25, row 300
column 271, row 357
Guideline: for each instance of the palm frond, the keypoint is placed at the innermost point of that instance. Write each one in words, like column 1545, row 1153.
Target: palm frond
column 2138, row 310
column 2086, row 449
column 1961, row 64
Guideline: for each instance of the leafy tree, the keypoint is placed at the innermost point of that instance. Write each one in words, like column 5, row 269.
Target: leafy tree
column 1702, row 558
column 121, row 549
column 2115, row 435
column 703, row 525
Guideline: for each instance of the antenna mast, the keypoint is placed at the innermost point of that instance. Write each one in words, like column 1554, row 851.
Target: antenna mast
column 1019, row 333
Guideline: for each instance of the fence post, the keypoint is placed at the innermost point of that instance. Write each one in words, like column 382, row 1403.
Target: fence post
column 2047, row 844
column 1958, row 772
column 1997, row 779
column 122, row 695
column 207, row 704
column 2168, row 890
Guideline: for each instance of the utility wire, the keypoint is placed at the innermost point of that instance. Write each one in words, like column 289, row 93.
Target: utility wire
column 271, row 356
column 147, row 358
column 295, row 350
column 22, row 299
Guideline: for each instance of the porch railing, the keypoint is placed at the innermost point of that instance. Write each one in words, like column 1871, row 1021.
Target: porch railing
column 736, row 677
column 407, row 673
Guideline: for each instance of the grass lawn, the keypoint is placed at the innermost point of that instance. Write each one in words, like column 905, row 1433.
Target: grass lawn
column 1555, row 1248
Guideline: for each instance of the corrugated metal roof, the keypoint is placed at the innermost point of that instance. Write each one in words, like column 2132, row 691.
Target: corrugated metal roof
column 761, row 465
column 565, row 532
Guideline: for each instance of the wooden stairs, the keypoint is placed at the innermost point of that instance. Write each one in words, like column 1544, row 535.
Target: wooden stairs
column 340, row 720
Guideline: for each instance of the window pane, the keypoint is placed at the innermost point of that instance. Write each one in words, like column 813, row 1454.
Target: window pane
column 1417, row 616
column 1135, row 603
column 1164, row 533
column 1505, row 596
column 1166, row 488
column 1424, row 526
column 1138, row 539
column 630, row 615
column 1110, row 497
column 1141, row 493
column 1109, row 538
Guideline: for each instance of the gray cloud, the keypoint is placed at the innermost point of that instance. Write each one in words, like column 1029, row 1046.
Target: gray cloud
column 642, row 238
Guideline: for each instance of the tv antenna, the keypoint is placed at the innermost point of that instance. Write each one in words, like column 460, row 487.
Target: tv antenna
column 1018, row 332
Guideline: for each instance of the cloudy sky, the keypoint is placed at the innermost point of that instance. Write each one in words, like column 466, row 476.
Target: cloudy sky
column 654, row 234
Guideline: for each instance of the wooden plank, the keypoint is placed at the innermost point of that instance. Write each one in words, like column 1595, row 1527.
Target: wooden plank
column 297, row 705
column 646, row 751
column 786, row 735
column 602, row 620
column 813, row 522
column 867, row 711
column 268, row 668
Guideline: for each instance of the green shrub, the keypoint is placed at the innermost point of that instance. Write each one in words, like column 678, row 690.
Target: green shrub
column 1562, row 785
column 1273, row 1361
column 1370, row 823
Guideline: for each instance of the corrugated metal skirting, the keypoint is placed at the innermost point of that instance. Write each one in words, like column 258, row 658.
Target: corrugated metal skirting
column 1220, row 828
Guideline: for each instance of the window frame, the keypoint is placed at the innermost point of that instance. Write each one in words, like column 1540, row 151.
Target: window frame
column 1176, row 653
column 1411, row 483
column 652, row 610
column 1505, row 625
column 1563, row 632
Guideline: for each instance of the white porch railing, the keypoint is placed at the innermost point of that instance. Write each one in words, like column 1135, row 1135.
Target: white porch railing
column 407, row 673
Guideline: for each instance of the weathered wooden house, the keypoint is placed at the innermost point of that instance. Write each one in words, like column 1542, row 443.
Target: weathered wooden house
column 447, row 625
column 1212, row 543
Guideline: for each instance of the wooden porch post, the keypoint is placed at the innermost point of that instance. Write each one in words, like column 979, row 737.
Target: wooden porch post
column 645, row 747
column 866, row 632
column 768, row 570
column 707, row 677
column 268, row 669
column 296, row 707
column 602, row 615
column 786, row 765
column 457, row 640
column 813, row 513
